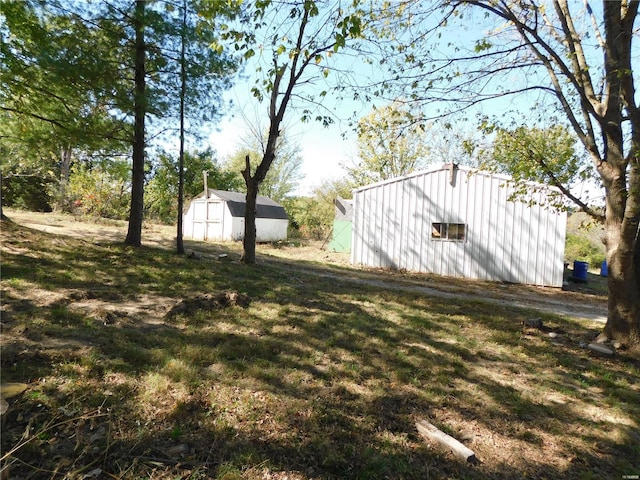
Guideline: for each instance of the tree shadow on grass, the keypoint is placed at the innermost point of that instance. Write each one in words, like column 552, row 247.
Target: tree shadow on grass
column 317, row 378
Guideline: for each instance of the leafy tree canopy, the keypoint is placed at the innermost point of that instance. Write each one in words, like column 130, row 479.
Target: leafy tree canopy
column 391, row 143
column 285, row 173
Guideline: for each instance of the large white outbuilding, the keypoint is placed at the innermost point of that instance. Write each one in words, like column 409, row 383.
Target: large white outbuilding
column 219, row 216
column 458, row 222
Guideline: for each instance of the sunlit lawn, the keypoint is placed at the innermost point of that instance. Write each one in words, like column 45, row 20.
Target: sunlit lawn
column 316, row 378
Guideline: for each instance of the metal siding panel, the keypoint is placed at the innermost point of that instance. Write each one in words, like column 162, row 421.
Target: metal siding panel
column 404, row 224
column 545, row 246
column 395, row 216
column 529, row 252
column 497, row 230
column 457, row 265
column 389, row 230
column 560, row 239
column 420, row 214
column 356, row 236
column 538, row 227
column 387, row 237
column 472, row 206
column 509, row 238
column 368, row 221
column 505, row 240
column 386, row 240
column 532, row 221
column 466, row 208
column 379, row 230
column 517, row 263
column 439, row 216
column 485, row 255
column 475, row 233
column 429, row 255
column 398, row 224
column 365, row 218
column 416, row 221
column 411, row 236
column 359, row 226
column 445, row 207
column 379, row 238
column 453, row 248
column 384, row 228
column 370, row 226
column 498, row 240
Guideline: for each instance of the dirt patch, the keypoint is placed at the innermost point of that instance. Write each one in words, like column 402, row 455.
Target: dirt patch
column 91, row 230
column 189, row 306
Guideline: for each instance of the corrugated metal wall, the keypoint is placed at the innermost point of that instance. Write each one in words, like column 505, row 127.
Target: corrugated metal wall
column 505, row 240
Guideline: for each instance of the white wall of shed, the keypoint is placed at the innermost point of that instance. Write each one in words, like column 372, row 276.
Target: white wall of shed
column 271, row 229
column 506, row 240
column 267, row 229
column 211, row 220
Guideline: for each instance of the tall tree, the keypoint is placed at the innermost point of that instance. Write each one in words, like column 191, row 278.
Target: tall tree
column 183, row 94
column 70, row 68
column 541, row 155
column 56, row 94
column 573, row 64
column 391, row 143
column 134, row 232
column 183, row 78
column 285, row 173
column 294, row 39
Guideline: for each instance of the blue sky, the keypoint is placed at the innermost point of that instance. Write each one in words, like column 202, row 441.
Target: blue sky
column 324, row 150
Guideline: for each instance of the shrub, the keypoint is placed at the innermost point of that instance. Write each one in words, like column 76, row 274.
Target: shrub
column 581, row 248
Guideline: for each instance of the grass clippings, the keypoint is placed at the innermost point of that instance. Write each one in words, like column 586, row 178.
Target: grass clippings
column 309, row 378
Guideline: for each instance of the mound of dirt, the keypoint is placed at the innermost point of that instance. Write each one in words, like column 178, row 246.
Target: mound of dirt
column 209, row 301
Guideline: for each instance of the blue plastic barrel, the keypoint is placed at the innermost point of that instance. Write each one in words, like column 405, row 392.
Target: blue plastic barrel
column 580, row 271
column 604, row 270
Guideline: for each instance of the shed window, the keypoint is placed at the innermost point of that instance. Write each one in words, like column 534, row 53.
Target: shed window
column 449, row 231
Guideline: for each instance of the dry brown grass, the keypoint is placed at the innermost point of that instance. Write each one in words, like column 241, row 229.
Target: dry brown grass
column 322, row 376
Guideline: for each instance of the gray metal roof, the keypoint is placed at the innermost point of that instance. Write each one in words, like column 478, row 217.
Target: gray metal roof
column 236, row 201
column 344, row 209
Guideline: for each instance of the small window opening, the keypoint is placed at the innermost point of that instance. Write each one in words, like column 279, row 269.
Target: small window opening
column 449, row 231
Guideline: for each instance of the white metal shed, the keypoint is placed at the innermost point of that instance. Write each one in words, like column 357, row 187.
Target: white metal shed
column 220, row 217
column 459, row 222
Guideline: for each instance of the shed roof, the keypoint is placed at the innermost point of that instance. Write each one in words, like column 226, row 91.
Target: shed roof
column 449, row 166
column 236, row 201
column 344, row 208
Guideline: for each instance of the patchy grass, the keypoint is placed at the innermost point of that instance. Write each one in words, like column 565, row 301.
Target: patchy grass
column 315, row 379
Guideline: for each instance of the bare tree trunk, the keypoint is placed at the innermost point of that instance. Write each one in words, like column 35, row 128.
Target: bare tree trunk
column 65, row 168
column 249, row 240
column 2, row 217
column 621, row 178
column 183, row 87
column 134, row 234
column 622, row 233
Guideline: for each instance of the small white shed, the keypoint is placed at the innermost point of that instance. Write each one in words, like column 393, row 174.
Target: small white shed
column 219, row 216
column 453, row 221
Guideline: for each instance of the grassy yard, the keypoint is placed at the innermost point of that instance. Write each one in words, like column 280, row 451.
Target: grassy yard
column 142, row 364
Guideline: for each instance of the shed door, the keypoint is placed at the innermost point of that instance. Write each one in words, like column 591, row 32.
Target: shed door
column 215, row 216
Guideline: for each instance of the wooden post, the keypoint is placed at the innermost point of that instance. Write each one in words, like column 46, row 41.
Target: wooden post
column 205, row 174
column 432, row 433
